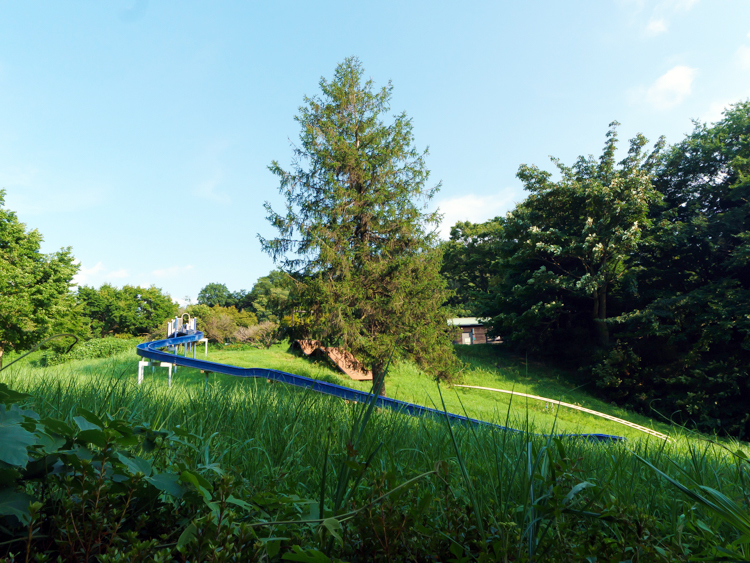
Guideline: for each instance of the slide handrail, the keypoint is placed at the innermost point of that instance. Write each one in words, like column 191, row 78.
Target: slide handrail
column 152, row 350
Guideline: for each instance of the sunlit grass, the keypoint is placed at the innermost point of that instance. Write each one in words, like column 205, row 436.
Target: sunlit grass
column 275, row 435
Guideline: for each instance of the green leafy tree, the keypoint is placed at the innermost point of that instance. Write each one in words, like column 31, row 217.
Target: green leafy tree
column 570, row 244
column 33, row 286
column 685, row 340
column 354, row 232
column 215, row 294
column 469, row 264
column 270, row 296
column 130, row 310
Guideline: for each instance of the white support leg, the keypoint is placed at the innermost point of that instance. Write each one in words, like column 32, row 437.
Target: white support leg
column 154, row 365
column 141, row 365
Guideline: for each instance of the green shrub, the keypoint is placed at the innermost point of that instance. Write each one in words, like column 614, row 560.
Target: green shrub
column 89, row 350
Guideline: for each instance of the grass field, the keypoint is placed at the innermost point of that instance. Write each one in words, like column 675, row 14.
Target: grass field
column 277, row 436
column 485, row 366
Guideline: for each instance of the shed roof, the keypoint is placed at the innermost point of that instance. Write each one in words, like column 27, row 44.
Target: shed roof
column 467, row 321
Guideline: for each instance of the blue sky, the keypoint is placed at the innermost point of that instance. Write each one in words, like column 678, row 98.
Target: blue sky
column 139, row 133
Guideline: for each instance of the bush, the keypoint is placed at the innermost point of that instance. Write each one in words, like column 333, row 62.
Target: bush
column 262, row 335
column 219, row 328
column 89, row 350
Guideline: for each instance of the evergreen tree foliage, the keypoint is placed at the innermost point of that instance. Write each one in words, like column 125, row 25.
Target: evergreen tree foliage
column 34, row 287
column 354, row 231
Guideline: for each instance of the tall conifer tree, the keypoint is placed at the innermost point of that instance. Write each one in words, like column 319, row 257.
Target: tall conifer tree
column 355, row 232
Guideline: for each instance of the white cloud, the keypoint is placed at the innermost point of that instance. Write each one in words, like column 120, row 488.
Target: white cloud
column 172, row 271
column 662, row 12
column 207, row 190
column 185, row 301
column 656, row 27
column 669, row 89
column 472, row 208
column 98, row 274
column 116, row 274
column 84, row 275
column 743, row 56
column 680, row 5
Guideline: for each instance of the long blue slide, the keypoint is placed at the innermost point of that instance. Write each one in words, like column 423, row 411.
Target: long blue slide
column 153, row 351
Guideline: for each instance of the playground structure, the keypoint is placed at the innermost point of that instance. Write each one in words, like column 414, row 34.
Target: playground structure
column 343, row 359
column 153, row 352
column 179, row 326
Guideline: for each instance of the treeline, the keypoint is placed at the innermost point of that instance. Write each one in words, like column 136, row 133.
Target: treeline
column 143, row 312
column 260, row 316
column 36, row 301
column 635, row 272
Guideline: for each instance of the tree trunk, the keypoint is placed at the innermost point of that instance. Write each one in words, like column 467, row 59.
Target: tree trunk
column 600, row 316
column 377, row 376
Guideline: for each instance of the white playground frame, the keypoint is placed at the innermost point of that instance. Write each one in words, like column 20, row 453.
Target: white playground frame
column 173, row 326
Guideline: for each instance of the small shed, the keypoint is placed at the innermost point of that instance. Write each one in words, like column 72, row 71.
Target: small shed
column 473, row 330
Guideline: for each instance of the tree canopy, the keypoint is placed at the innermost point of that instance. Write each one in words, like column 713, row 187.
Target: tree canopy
column 129, row 310
column 216, row 294
column 270, row 296
column 354, row 232
column 572, row 240
column 33, row 286
column 638, row 274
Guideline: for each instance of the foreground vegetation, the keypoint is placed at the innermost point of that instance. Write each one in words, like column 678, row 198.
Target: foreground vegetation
column 213, row 472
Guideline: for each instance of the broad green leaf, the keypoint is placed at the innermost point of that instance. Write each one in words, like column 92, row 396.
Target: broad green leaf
column 14, row 441
column 58, row 426
column 273, row 546
column 334, row 528
column 15, row 503
column 198, row 482
column 49, row 444
column 186, row 535
column 306, row 555
column 93, row 436
column 90, row 416
column 9, row 396
column 577, row 489
column 135, row 464
column 240, row 503
column 84, row 424
column 168, row 483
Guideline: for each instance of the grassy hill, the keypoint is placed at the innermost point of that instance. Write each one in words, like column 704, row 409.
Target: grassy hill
column 485, row 366
column 534, row 497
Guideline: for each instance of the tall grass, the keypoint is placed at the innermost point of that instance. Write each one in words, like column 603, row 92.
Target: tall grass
column 289, row 439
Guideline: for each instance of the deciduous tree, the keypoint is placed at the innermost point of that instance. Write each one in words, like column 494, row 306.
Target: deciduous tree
column 215, row 294
column 33, row 286
column 572, row 240
column 128, row 310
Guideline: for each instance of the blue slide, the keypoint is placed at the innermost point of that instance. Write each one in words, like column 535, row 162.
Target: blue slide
column 152, row 351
